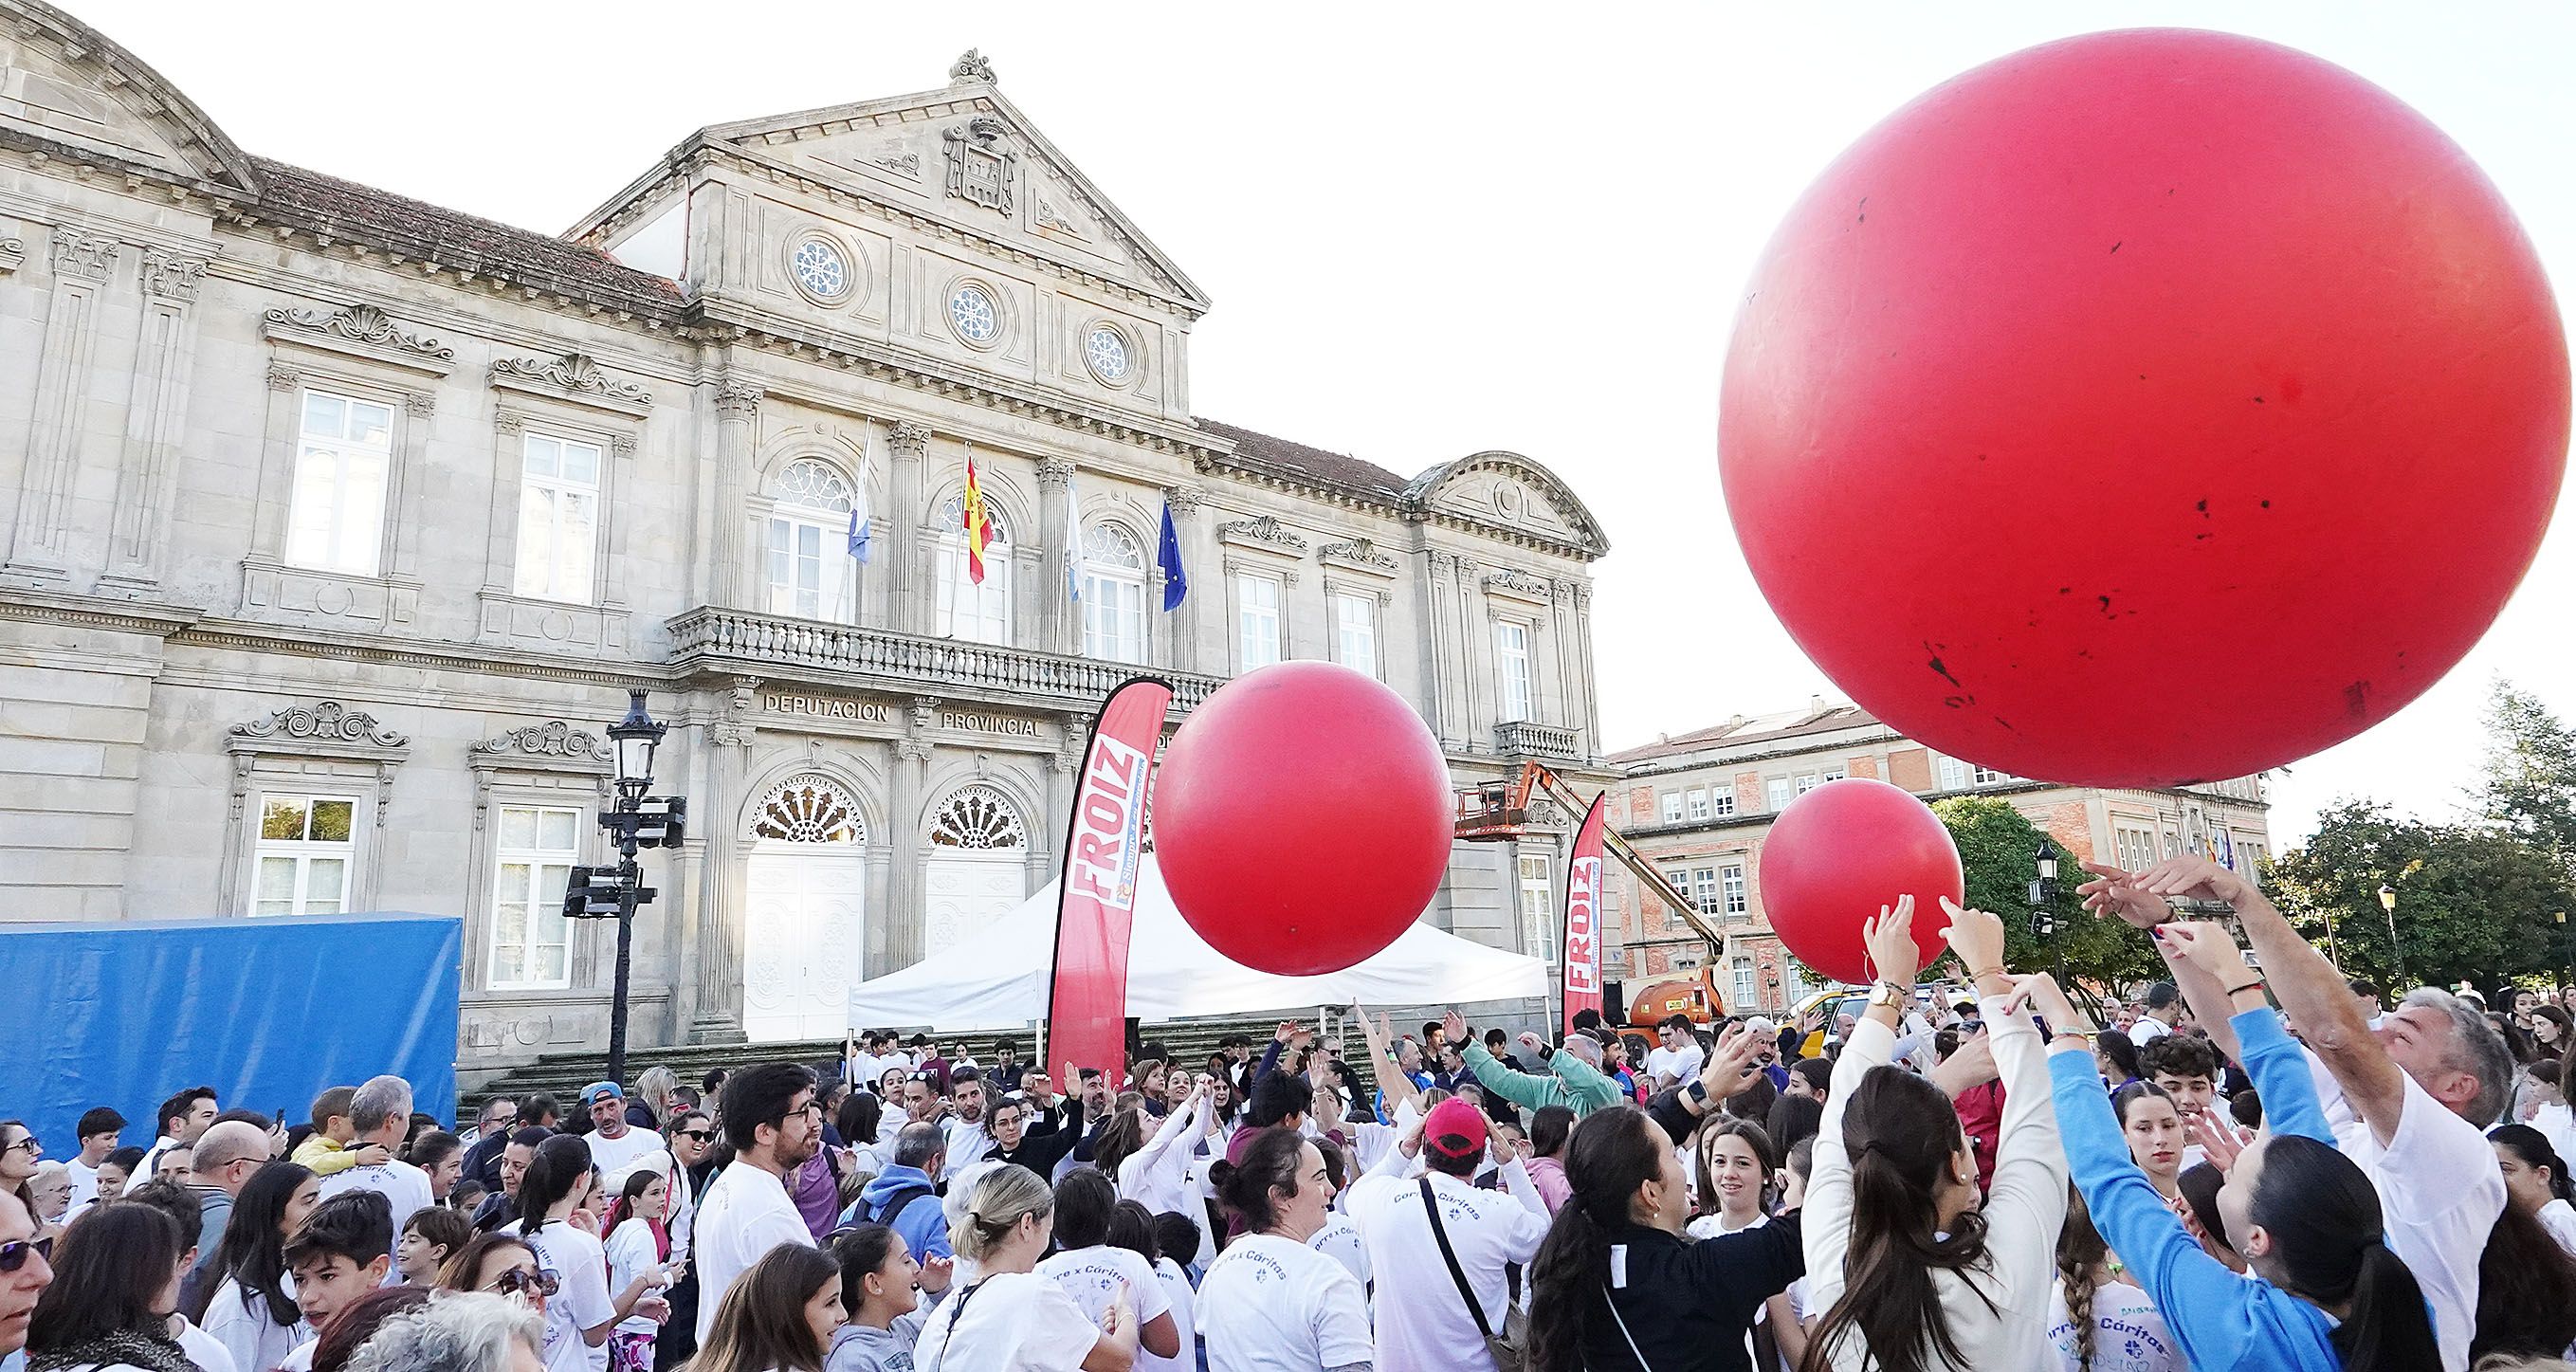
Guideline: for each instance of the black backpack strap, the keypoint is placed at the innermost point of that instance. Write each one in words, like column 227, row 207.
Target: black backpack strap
column 897, row 1203
column 1449, row 1255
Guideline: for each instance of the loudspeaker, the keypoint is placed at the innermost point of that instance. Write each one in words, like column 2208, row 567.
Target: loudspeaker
column 1614, row 1002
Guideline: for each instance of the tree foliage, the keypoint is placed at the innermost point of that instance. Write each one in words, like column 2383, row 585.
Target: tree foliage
column 1998, row 847
column 2529, row 786
column 2474, row 901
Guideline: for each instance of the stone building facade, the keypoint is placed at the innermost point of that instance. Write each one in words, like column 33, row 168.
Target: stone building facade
column 338, row 525
column 1700, row 804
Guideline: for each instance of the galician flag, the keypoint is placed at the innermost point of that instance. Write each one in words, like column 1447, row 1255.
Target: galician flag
column 977, row 524
column 1073, row 564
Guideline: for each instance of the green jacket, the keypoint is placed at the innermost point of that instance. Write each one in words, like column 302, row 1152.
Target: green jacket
column 1569, row 1081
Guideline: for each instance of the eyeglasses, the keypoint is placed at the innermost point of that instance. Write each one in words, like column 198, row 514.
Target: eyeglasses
column 701, row 1135
column 519, row 1279
column 14, row 1255
column 29, row 1143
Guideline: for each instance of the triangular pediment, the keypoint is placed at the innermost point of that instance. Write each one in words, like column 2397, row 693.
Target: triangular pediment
column 64, row 83
column 968, row 157
column 1500, row 490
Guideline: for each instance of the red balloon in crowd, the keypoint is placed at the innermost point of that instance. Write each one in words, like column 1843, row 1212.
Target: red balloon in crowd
column 1839, row 853
column 1302, row 818
column 2144, row 408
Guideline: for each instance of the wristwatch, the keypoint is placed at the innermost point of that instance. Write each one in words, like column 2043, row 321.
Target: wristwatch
column 1889, row 994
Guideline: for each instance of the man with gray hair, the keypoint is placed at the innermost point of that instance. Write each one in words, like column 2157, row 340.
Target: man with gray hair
column 227, row 1155
column 1573, row 1077
column 456, row 1332
column 381, row 1113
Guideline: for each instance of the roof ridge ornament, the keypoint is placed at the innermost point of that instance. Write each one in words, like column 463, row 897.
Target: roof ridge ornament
column 971, row 67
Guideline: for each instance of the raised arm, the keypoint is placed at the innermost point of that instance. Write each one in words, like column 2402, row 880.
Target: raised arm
column 2270, row 1056
column 1392, row 1084
column 2114, row 892
column 1826, row 1232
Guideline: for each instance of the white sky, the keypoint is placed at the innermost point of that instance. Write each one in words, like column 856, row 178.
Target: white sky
column 1430, row 229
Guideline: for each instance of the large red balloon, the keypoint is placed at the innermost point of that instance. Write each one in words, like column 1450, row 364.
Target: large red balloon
column 2144, row 408
column 1840, row 853
column 1302, row 818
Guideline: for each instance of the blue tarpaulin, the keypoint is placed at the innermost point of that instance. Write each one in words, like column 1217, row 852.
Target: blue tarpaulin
column 269, row 1012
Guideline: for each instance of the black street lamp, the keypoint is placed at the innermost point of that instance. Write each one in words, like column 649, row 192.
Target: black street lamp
column 2043, row 901
column 634, row 821
column 2396, row 950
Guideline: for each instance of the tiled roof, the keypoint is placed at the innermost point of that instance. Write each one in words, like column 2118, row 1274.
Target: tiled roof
column 1333, row 471
column 1765, row 729
column 366, row 215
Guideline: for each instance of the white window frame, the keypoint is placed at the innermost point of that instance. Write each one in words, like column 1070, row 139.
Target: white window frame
column 1808, row 781
column 1672, row 807
column 1776, row 794
column 1952, row 773
column 351, row 540
column 789, row 521
column 1259, row 629
column 1987, row 776
column 544, row 897
column 1703, row 890
column 2133, row 848
column 1745, row 991
column 1840, row 771
column 1515, row 689
column 1721, row 800
column 1735, row 898
column 304, row 853
column 557, row 571
column 1699, row 802
column 1538, row 905
column 1355, row 631
column 987, row 608
column 1113, row 595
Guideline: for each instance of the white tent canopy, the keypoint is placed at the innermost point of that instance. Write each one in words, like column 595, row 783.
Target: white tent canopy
column 1000, row 979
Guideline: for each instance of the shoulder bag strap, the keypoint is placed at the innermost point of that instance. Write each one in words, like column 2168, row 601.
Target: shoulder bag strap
column 1633, row 1350
column 1449, row 1255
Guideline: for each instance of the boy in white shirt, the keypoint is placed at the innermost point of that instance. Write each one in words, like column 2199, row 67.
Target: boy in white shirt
column 343, row 1252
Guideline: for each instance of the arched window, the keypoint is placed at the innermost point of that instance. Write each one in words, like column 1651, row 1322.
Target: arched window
column 809, row 808
column 966, row 610
column 978, row 819
column 1113, row 594
column 810, row 571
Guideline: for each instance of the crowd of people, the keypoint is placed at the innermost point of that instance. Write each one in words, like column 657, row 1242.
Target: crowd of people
column 2240, row 1169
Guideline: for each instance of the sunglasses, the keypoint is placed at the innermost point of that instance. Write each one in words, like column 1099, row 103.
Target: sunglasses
column 14, row 1255
column 701, row 1135
column 29, row 1143
column 519, row 1279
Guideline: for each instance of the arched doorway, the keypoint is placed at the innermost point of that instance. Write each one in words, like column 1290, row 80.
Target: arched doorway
column 977, row 870
column 804, row 922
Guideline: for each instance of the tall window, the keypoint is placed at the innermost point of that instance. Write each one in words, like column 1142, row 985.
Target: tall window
column 558, row 518
column 981, row 614
column 337, row 520
column 1538, row 907
column 306, row 849
column 1721, row 800
column 1672, row 807
column 1704, row 889
column 1699, row 802
column 1113, row 594
column 1355, row 632
column 1730, row 882
column 1680, row 878
column 1257, row 619
column 1954, row 774
column 1512, row 660
column 2249, row 859
column 1775, row 794
column 2135, row 849
column 809, row 564
column 531, row 945
column 1743, row 985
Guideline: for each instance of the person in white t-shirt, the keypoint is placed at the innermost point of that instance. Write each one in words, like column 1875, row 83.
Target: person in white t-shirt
column 1097, row 1275
column 613, row 1142
column 339, row 1254
column 99, row 1128
column 1010, row 1319
column 2535, row 1179
column 381, row 1113
column 639, row 1241
column 772, row 1121
column 1679, row 1057
column 2163, row 1011
column 552, row 1218
column 1270, row 1302
column 246, row 1297
column 1422, row 1318
column 2103, row 1323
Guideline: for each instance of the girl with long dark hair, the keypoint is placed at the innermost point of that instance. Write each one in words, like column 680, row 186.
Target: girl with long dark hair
column 638, row 1244
column 1914, row 1270
column 881, row 1288
column 2330, row 1297
column 779, row 1316
column 1736, row 1163
column 2535, row 1178
column 2118, row 1055
column 2526, row 1276
column 245, row 1298
column 1618, row 1288
column 116, row 1285
column 2153, row 1127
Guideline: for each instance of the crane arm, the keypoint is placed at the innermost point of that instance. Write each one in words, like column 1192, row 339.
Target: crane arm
column 1536, row 776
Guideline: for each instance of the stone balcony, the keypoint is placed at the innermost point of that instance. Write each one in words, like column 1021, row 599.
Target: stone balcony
column 776, row 647
column 1521, row 738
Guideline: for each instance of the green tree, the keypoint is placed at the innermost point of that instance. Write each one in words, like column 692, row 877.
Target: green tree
column 2474, row 902
column 2529, row 787
column 1998, row 847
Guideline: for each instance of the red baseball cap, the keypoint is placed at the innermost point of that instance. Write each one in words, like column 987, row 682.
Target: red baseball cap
column 1455, row 1129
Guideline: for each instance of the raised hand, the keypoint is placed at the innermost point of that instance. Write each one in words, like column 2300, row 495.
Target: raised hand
column 1976, row 936
column 1288, row 1029
column 2210, row 948
column 1730, row 1066
column 1454, row 1026
column 1533, row 1042
column 935, row 1273
column 2117, row 893
column 1889, row 940
column 2193, row 878
column 2222, row 1140
column 2040, row 992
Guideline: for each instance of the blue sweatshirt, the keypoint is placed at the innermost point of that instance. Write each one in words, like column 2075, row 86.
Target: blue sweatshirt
column 2223, row 1322
column 923, row 1224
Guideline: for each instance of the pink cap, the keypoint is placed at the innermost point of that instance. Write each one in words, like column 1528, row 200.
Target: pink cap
column 1455, row 1129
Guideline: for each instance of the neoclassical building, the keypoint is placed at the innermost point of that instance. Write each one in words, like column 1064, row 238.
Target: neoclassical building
column 338, row 525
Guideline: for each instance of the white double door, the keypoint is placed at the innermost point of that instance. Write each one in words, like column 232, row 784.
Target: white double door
column 804, row 939
column 966, row 894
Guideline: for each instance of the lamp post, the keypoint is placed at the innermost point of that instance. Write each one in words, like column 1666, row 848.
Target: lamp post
column 2396, row 950
column 634, row 820
column 2043, row 902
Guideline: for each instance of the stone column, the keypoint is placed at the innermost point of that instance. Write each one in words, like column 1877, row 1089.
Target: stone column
column 1444, row 691
column 737, row 419
column 1060, row 621
column 156, row 412
column 82, row 263
column 907, row 892
column 910, row 610
column 1180, row 649
column 1590, row 714
column 720, row 915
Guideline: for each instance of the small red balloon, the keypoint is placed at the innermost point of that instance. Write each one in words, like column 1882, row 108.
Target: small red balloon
column 1840, row 853
column 1302, row 818
column 2144, row 408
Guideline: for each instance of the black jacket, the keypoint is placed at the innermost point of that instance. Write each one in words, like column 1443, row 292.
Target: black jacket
column 1688, row 1305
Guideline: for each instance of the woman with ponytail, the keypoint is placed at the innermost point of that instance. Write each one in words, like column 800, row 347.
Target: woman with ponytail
column 1914, row 1270
column 1011, row 1319
column 2094, row 1298
column 1617, row 1288
column 2329, row 1295
column 2535, row 1178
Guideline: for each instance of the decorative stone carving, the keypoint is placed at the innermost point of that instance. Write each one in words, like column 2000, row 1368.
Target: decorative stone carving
column 170, row 274
column 283, row 378
column 325, row 722
column 420, row 404
column 1184, row 500
column 908, row 438
column 576, row 374
column 13, row 254
column 621, row 445
column 552, row 739
column 1264, row 531
column 1359, row 552
column 912, row 749
column 1055, row 471
column 737, row 399
column 925, row 713
column 509, row 422
column 971, row 67
column 88, row 255
column 901, row 164
column 980, row 170
column 1047, row 216
column 361, row 324
column 1506, row 579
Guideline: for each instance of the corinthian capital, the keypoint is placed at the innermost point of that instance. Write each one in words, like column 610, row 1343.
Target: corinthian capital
column 738, row 399
column 908, row 439
column 1055, row 471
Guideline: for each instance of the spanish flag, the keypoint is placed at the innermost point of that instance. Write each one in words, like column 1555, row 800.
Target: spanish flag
column 978, row 525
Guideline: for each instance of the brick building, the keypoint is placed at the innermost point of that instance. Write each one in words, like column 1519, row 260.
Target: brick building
column 1699, row 805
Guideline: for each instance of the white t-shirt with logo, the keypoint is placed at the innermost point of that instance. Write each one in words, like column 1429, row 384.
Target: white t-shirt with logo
column 1421, row 1320
column 1270, row 1304
column 1007, row 1322
column 1339, row 1240
column 404, row 1187
column 2128, row 1334
column 1094, row 1276
column 581, row 1300
column 1182, row 1302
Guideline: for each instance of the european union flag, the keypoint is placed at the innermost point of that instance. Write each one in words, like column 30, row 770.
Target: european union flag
column 1176, row 583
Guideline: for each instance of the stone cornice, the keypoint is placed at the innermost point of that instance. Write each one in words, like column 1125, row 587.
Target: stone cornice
column 124, row 616
column 359, row 331
column 555, row 745
column 422, row 654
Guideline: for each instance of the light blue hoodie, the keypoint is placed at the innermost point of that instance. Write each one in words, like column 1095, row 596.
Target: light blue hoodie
column 923, row 1224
